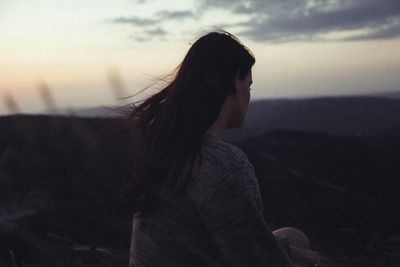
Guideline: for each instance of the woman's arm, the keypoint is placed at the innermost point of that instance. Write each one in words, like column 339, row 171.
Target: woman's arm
column 231, row 208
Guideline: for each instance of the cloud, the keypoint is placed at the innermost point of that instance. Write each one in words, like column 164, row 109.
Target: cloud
column 160, row 17
column 157, row 31
column 289, row 20
column 387, row 31
column 136, row 21
column 149, row 34
column 149, row 28
column 176, row 15
column 282, row 20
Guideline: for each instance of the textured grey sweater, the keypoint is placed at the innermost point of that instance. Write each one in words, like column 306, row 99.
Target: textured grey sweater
column 218, row 220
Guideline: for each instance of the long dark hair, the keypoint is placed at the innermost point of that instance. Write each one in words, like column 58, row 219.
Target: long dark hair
column 171, row 123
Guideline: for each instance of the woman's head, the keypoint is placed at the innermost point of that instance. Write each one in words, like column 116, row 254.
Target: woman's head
column 208, row 73
column 214, row 60
column 173, row 121
column 210, row 70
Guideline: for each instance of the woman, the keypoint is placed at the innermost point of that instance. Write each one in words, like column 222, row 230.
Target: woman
column 195, row 197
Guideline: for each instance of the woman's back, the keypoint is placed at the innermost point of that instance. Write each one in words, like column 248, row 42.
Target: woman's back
column 217, row 221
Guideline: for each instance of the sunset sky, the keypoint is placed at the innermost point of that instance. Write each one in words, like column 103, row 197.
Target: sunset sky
column 302, row 48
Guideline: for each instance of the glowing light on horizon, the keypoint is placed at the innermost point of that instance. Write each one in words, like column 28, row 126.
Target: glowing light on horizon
column 73, row 49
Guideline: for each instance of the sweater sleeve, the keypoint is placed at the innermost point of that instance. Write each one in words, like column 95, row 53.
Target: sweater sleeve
column 231, row 208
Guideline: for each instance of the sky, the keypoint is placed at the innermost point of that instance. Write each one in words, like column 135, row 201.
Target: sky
column 67, row 54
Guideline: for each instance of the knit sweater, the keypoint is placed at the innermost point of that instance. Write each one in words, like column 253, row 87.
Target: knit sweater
column 217, row 221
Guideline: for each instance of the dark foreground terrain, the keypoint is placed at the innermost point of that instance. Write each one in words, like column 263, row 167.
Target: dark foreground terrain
column 59, row 176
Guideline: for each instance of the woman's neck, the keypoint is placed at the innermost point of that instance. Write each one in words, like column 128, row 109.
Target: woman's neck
column 219, row 125
column 215, row 130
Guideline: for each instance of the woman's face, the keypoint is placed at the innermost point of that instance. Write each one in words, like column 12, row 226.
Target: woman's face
column 240, row 101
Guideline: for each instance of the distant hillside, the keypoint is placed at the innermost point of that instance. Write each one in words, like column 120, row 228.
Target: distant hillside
column 389, row 94
column 350, row 115
column 368, row 116
column 105, row 111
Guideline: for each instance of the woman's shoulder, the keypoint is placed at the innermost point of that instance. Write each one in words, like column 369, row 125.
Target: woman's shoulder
column 223, row 168
column 219, row 156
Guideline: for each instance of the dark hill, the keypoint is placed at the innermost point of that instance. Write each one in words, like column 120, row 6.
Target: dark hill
column 369, row 116
column 375, row 114
column 317, row 166
column 58, row 177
